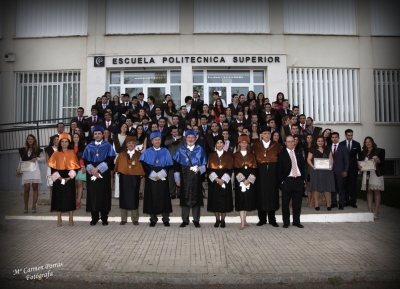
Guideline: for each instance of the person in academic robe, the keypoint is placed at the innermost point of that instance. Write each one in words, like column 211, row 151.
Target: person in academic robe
column 189, row 164
column 219, row 169
column 156, row 161
column 245, row 168
column 99, row 160
column 64, row 165
column 266, row 152
column 130, row 170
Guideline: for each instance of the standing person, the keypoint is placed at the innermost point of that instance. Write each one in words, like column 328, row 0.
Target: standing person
column 119, row 145
column 173, row 142
column 31, row 152
column 291, row 172
column 340, row 168
column 130, row 170
column 99, row 158
column 79, row 147
column 156, row 162
column 189, row 164
column 64, row 165
column 372, row 181
column 321, row 180
column 245, row 167
column 350, row 183
column 266, row 152
column 49, row 151
column 220, row 168
column 307, row 146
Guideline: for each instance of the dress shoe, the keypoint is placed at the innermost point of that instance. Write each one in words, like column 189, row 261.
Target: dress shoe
column 105, row 223
column 354, row 206
column 183, row 225
column 329, row 208
column 173, row 197
column 334, row 206
column 341, row 207
column 317, row 208
column 285, row 226
column 152, row 224
column 166, row 224
column 261, row 223
column 274, row 224
column 305, row 196
column 93, row 223
column 222, row 224
column 298, row 226
column 346, row 204
column 122, row 223
column 197, row 224
column 216, row 225
column 136, row 223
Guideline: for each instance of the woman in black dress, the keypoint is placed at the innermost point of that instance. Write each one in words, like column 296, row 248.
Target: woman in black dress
column 64, row 165
column 321, row 180
column 220, row 168
column 245, row 165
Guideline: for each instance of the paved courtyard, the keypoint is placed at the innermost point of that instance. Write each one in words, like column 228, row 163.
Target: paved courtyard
column 360, row 251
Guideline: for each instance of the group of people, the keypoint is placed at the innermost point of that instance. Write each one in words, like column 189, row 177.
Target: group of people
column 249, row 149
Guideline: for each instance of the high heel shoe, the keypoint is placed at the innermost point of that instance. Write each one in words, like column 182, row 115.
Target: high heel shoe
column 25, row 211
column 222, row 224
column 216, row 225
column 317, row 208
column 329, row 208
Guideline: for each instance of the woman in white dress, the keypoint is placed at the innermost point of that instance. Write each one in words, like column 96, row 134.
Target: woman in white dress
column 31, row 152
column 372, row 181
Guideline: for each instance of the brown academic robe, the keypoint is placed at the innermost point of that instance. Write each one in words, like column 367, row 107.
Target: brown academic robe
column 220, row 199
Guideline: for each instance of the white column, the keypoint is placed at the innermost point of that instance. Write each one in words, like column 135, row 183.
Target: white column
column 186, row 82
column 96, row 83
column 276, row 79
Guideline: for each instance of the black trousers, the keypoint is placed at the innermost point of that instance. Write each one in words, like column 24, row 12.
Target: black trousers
column 340, row 190
column 95, row 216
column 350, row 184
column 292, row 189
column 262, row 215
column 186, row 212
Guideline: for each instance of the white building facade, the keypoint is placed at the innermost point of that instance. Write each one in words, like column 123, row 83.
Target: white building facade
column 339, row 61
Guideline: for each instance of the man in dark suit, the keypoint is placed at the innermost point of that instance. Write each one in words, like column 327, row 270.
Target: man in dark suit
column 93, row 120
column 110, row 124
column 191, row 110
column 350, row 184
column 134, row 107
column 291, row 177
column 124, row 103
column 197, row 103
column 142, row 103
column 315, row 131
column 285, row 111
column 340, row 169
column 210, row 137
column 235, row 106
column 80, row 120
column 204, row 127
column 102, row 108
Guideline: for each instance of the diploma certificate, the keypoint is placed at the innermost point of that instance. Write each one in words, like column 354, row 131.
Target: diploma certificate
column 27, row 166
column 367, row 165
column 322, row 163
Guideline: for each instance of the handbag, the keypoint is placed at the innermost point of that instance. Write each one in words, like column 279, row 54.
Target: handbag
column 27, row 166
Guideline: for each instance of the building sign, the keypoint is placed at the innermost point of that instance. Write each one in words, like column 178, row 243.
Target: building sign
column 209, row 60
column 99, row 61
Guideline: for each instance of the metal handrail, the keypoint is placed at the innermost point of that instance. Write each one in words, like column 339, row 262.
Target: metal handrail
column 13, row 135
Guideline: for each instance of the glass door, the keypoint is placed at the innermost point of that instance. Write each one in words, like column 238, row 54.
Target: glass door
column 238, row 89
column 222, row 90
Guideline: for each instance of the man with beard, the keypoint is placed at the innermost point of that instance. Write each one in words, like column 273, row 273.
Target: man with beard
column 189, row 163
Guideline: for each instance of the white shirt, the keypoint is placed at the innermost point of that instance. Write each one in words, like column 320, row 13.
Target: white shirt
column 97, row 142
column 131, row 153
column 188, row 108
column 266, row 144
column 244, row 153
column 219, row 153
column 333, row 147
column 191, row 148
column 348, row 142
column 156, row 149
column 295, row 160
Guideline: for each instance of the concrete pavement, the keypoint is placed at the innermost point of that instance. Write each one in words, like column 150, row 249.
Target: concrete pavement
column 114, row 253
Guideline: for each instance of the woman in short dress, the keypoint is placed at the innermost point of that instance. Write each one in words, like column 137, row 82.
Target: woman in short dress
column 321, row 180
column 79, row 147
column 245, row 167
column 64, row 165
column 372, row 181
column 31, row 152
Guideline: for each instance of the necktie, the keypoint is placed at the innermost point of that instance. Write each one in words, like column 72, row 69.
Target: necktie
column 80, row 119
column 302, row 127
column 348, row 146
column 145, row 128
column 285, row 111
column 334, row 150
column 104, row 106
column 94, row 120
column 226, row 146
column 294, row 168
column 204, row 128
column 126, row 104
column 108, row 124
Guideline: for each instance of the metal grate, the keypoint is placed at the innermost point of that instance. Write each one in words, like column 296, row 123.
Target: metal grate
column 327, row 95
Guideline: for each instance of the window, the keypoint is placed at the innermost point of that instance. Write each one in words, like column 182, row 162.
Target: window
column 231, row 16
column 142, row 17
column 327, row 95
column 387, row 104
column 47, row 95
column 329, row 17
column 49, row 18
column 385, row 20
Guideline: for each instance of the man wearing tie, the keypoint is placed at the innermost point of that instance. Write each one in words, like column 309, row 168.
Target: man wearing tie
column 302, row 124
column 291, row 174
column 197, row 102
column 354, row 149
column 340, row 169
column 142, row 103
column 80, row 120
column 108, row 123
